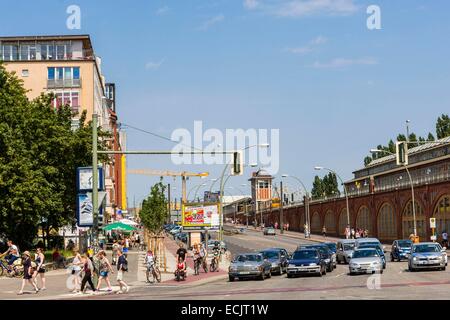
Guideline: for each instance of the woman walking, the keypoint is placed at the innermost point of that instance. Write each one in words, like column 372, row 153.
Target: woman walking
column 122, row 265
column 76, row 270
column 105, row 268
column 40, row 270
column 88, row 269
column 27, row 273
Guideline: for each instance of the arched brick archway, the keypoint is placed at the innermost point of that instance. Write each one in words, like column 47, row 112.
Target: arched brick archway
column 441, row 212
column 342, row 222
column 387, row 222
column 364, row 220
column 316, row 225
column 408, row 221
column 330, row 221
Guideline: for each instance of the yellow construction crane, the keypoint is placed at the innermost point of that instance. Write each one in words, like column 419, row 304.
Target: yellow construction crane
column 168, row 173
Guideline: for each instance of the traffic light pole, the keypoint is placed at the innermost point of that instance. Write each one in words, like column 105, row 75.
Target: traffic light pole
column 95, row 177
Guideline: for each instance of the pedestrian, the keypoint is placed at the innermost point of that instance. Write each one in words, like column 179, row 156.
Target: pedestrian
column 276, row 225
column 122, row 266
column 306, row 230
column 287, row 227
column 324, row 231
column 445, row 239
column 88, row 269
column 125, row 246
column 105, row 268
column 353, row 233
column 357, row 233
column 366, row 233
column 347, row 232
column 76, row 270
column 27, row 273
column 40, row 270
column 115, row 247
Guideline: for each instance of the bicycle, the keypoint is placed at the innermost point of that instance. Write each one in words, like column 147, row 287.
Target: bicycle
column 12, row 271
column 153, row 272
column 197, row 263
column 214, row 266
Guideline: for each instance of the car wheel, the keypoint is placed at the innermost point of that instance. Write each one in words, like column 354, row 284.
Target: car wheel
column 443, row 268
column 269, row 275
column 324, row 271
column 289, row 275
column 345, row 260
column 381, row 271
column 231, row 278
column 411, row 269
column 262, row 277
column 330, row 268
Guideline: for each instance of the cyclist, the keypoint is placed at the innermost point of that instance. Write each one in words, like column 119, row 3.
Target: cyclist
column 149, row 258
column 216, row 254
column 11, row 255
column 203, row 255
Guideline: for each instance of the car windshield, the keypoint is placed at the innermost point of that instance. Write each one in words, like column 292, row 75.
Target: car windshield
column 368, row 244
column 365, row 253
column 349, row 246
column 270, row 254
column 249, row 257
column 305, row 254
column 332, row 246
column 404, row 244
column 427, row 248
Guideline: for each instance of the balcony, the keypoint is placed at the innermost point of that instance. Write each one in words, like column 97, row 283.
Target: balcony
column 63, row 83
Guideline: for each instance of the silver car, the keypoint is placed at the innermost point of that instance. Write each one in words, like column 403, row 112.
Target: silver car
column 427, row 255
column 344, row 250
column 366, row 261
column 269, row 231
column 249, row 265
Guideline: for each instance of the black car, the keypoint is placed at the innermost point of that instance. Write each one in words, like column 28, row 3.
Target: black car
column 401, row 249
column 306, row 261
column 328, row 256
column 278, row 257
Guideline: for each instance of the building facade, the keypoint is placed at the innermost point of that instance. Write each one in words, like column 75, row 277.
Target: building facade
column 67, row 66
column 380, row 199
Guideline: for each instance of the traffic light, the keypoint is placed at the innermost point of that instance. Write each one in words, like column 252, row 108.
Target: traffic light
column 402, row 153
column 238, row 166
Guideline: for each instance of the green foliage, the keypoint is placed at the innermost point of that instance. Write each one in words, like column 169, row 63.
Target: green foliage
column 39, row 154
column 325, row 187
column 442, row 131
column 154, row 209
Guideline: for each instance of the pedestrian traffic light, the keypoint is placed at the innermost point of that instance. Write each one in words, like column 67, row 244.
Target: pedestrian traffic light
column 402, row 153
column 237, row 168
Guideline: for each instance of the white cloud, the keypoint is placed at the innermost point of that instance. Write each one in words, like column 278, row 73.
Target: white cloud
column 343, row 62
column 162, row 10
column 154, row 65
column 300, row 8
column 210, row 22
column 250, row 4
column 311, row 46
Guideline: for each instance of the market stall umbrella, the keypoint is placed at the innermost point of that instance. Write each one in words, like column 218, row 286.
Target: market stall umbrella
column 118, row 226
column 129, row 222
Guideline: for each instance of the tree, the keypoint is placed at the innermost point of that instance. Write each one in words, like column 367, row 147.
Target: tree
column 443, row 126
column 317, row 190
column 154, row 209
column 327, row 186
column 39, row 154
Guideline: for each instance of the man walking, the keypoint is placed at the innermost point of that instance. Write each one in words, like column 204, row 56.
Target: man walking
column 122, row 265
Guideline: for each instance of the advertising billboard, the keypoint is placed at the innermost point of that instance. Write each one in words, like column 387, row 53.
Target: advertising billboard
column 198, row 218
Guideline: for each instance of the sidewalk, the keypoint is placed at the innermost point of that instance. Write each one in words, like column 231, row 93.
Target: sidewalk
column 169, row 278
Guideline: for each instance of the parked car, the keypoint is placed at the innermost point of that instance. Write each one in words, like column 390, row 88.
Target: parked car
column 249, row 265
column 332, row 246
column 328, row 256
column 376, row 247
column 306, row 261
column 182, row 236
column 366, row 260
column 344, row 250
column 269, row 231
column 278, row 257
column 401, row 249
column 176, row 230
column 427, row 255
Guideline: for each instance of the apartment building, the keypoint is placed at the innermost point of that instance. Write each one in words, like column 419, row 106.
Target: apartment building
column 68, row 66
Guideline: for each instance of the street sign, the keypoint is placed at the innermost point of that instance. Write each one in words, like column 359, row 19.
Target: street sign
column 84, row 179
column 432, row 223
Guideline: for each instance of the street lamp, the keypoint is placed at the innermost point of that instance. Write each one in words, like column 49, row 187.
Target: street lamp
column 345, row 189
column 411, row 183
column 222, row 185
column 307, row 216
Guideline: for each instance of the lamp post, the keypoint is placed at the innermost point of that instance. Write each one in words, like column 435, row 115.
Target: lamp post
column 307, row 216
column 222, row 185
column 345, row 189
column 412, row 187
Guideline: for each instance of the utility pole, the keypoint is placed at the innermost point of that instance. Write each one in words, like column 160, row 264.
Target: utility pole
column 95, row 177
column 170, row 206
column 281, row 208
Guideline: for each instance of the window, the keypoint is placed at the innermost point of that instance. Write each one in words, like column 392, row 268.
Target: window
column 25, row 73
column 387, row 222
column 70, row 98
column 76, row 73
column 51, row 73
column 61, row 73
column 363, row 220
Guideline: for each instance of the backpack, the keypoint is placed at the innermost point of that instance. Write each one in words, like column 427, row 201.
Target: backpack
column 125, row 264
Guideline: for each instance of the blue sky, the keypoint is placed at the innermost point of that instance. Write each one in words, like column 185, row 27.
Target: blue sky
column 310, row 68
